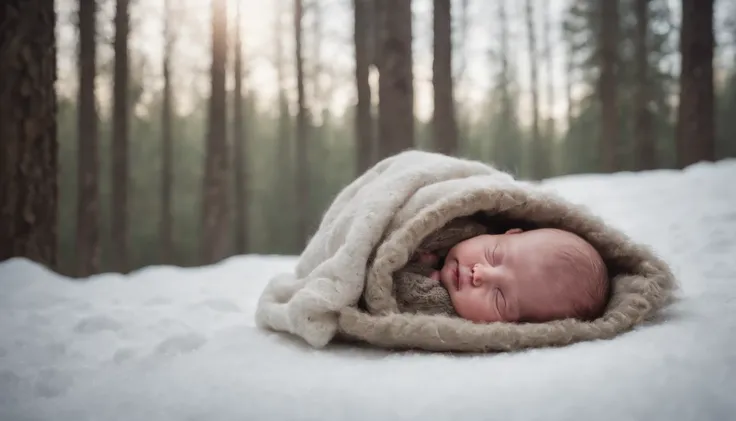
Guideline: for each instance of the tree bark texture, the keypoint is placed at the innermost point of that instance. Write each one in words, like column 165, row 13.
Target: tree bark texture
column 119, row 202
column 551, row 126
column 444, row 121
column 28, row 152
column 608, row 82
column 88, row 166
column 363, row 118
column 539, row 168
column 501, row 146
column 318, row 90
column 569, row 68
column 241, row 193
column 302, row 162
column 696, row 112
column 396, row 90
column 167, row 170
column 643, row 133
column 215, row 215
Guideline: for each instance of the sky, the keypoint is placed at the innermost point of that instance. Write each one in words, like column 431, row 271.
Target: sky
column 191, row 61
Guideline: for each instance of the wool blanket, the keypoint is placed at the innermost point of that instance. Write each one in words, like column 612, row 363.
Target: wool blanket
column 342, row 285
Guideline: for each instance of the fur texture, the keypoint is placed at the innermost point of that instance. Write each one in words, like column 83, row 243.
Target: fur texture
column 343, row 285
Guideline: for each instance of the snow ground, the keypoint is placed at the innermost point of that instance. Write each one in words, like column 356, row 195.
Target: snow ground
column 167, row 343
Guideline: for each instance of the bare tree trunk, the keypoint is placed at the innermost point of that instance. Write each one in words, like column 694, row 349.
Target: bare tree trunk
column 318, row 97
column 607, row 85
column 285, row 149
column 643, row 135
column 241, row 228
column 566, row 160
column 551, row 126
column 302, row 176
column 396, row 90
column 460, row 93
column 318, row 110
column 119, row 203
column 696, row 116
column 505, row 148
column 284, row 176
column 569, row 68
column 167, row 171
column 215, row 209
column 443, row 119
column 88, row 206
column 28, row 156
column 463, row 27
column 538, row 160
column 377, row 33
column 363, row 119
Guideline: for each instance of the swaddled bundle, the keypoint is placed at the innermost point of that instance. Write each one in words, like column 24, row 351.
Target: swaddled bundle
column 345, row 284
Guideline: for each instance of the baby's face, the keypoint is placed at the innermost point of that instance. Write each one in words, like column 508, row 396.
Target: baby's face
column 493, row 278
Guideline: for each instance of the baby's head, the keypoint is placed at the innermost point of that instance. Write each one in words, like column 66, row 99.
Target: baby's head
column 534, row 276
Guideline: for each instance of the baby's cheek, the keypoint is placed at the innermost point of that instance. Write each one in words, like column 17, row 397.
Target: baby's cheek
column 467, row 306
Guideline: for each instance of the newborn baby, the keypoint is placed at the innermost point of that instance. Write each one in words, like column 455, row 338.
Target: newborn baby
column 518, row 276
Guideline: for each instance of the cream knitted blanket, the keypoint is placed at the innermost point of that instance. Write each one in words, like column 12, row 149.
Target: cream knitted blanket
column 342, row 283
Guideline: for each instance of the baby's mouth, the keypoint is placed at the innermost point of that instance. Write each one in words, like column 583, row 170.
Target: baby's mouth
column 450, row 275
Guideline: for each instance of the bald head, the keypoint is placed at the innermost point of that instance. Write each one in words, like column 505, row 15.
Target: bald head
column 577, row 268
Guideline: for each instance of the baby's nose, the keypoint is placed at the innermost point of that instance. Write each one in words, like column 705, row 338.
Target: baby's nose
column 477, row 275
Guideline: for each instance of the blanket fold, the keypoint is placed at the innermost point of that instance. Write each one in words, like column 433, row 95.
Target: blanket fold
column 342, row 285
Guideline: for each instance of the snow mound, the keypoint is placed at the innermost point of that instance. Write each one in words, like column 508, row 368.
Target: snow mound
column 167, row 343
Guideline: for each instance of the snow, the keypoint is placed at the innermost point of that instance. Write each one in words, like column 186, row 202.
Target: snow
column 167, row 343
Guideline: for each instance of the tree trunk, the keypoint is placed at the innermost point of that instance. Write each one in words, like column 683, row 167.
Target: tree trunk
column 551, row 127
column 461, row 45
column 28, row 156
column 500, row 147
column 569, row 68
column 696, row 116
column 215, row 212
column 643, row 135
column 318, row 97
column 460, row 94
column 88, row 206
column 167, row 172
column 284, row 176
column 538, row 169
column 444, row 122
column 608, row 83
column 363, row 119
column 505, row 147
column 241, row 229
column 566, row 160
column 119, row 203
column 302, row 175
column 396, row 90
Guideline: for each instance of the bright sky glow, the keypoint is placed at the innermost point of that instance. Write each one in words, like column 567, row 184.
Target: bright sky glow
column 191, row 60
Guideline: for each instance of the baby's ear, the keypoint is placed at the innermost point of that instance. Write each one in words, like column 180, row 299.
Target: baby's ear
column 514, row 231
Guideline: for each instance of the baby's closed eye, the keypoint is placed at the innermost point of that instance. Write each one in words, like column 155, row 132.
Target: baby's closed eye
column 499, row 300
column 491, row 255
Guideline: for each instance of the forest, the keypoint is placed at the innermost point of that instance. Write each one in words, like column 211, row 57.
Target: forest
column 185, row 132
